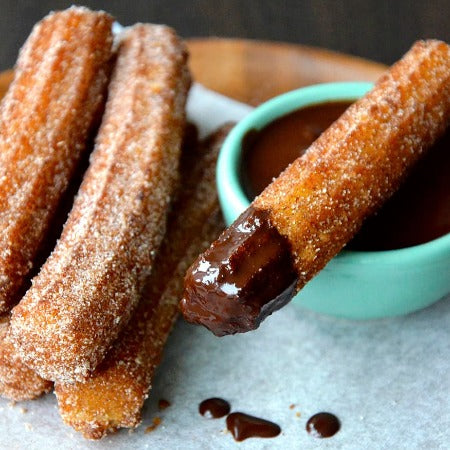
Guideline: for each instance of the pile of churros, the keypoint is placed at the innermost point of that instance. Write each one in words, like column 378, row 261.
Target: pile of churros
column 93, row 319
column 93, row 132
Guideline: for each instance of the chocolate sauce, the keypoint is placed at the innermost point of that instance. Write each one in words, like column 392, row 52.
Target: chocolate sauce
column 242, row 426
column 214, row 408
column 417, row 213
column 163, row 404
column 323, row 425
column 242, row 278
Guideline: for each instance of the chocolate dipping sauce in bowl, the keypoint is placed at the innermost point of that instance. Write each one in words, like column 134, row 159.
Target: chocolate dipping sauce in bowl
column 399, row 261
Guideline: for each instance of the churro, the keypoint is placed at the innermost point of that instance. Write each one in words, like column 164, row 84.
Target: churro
column 317, row 204
column 113, row 396
column 49, row 112
column 17, row 381
column 87, row 289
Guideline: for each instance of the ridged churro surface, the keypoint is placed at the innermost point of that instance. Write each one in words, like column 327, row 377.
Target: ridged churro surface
column 87, row 289
column 322, row 198
column 113, row 396
column 46, row 118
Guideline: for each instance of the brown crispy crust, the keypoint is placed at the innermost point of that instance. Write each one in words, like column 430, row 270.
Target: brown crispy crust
column 87, row 289
column 321, row 199
column 114, row 395
column 46, row 117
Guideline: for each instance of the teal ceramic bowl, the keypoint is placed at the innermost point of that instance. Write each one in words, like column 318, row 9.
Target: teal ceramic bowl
column 355, row 284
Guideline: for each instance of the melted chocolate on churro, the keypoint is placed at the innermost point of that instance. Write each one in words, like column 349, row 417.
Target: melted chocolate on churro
column 246, row 275
column 243, row 426
column 323, row 425
column 214, row 408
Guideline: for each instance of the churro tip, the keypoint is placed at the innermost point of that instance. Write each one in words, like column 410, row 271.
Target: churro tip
column 121, row 405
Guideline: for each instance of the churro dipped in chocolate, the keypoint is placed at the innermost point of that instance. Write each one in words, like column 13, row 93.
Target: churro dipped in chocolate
column 87, row 289
column 49, row 112
column 307, row 215
column 113, row 396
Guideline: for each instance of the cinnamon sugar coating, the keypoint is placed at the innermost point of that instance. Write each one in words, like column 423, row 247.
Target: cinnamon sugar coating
column 89, row 286
column 113, row 396
column 320, row 201
column 49, row 112
column 17, row 381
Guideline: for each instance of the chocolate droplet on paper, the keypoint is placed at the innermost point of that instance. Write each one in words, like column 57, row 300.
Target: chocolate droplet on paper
column 323, row 425
column 214, row 408
column 243, row 426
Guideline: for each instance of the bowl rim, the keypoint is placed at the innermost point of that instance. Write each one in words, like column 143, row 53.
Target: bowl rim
column 232, row 193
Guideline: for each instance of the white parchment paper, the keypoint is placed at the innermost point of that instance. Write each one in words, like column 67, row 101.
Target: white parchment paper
column 387, row 380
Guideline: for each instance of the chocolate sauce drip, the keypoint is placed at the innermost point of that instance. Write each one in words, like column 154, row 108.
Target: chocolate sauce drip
column 323, row 425
column 214, row 408
column 242, row 278
column 242, row 426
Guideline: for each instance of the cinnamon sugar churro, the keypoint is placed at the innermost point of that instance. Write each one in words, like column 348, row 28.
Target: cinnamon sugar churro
column 46, row 118
column 89, row 286
column 17, row 381
column 317, row 204
column 113, row 396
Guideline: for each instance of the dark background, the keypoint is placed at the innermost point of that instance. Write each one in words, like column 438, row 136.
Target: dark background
column 377, row 29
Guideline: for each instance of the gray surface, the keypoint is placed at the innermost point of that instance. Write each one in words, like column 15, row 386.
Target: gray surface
column 387, row 380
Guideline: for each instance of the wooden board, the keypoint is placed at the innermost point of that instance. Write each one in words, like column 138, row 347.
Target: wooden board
column 254, row 71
